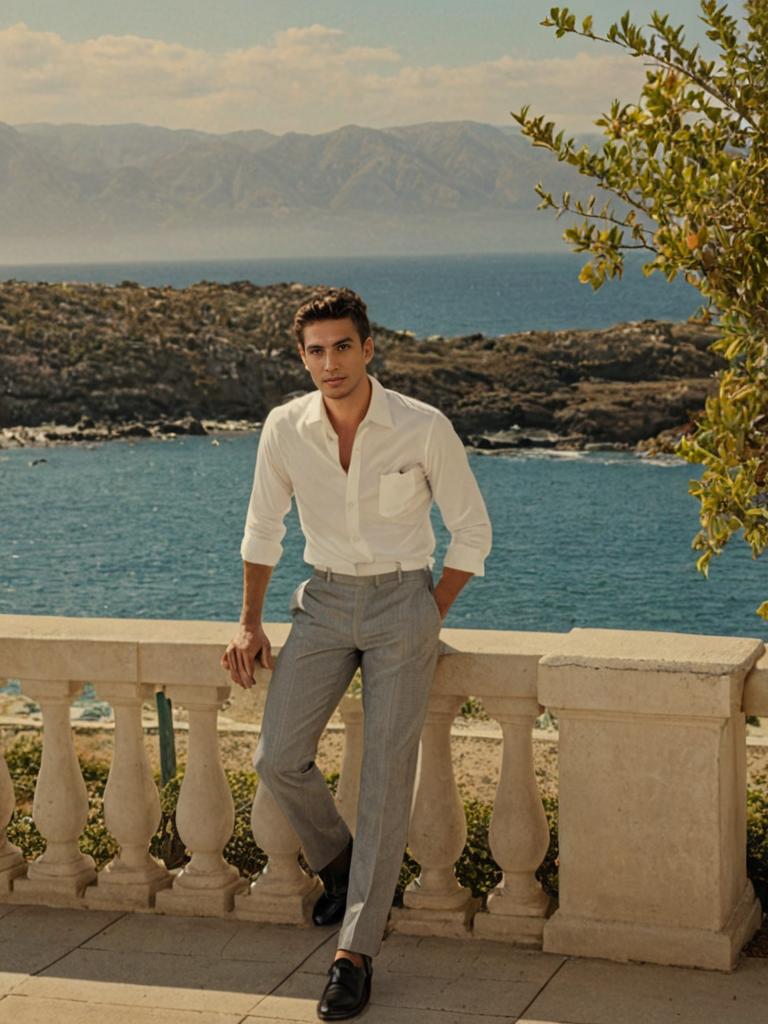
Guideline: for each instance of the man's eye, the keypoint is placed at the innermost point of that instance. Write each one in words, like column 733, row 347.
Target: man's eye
column 343, row 345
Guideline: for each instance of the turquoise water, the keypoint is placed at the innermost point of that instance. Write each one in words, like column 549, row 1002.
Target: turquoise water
column 495, row 294
column 152, row 528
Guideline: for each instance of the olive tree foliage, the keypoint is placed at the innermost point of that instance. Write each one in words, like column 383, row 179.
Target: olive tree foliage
column 688, row 164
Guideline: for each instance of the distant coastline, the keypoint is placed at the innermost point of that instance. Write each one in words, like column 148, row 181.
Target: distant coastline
column 86, row 363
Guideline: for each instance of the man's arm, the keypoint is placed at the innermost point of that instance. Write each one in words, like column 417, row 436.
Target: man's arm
column 449, row 586
column 255, row 580
column 461, row 505
column 260, row 550
column 269, row 502
column 250, row 643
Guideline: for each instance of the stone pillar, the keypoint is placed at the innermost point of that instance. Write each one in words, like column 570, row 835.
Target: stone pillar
column 435, row 903
column 519, row 834
column 58, row 876
column 205, row 813
column 131, row 810
column 12, row 863
column 652, row 796
column 348, row 789
column 282, row 893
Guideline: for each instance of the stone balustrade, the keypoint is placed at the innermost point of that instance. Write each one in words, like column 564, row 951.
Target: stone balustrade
column 652, row 762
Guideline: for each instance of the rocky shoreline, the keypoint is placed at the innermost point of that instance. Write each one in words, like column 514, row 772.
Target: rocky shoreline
column 87, row 363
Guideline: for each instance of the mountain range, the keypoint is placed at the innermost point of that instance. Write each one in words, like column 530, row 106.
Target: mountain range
column 133, row 191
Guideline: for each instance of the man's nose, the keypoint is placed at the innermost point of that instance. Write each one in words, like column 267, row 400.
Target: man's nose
column 330, row 359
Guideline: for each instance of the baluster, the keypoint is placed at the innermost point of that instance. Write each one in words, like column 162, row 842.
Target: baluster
column 435, row 903
column 205, row 813
column 12, row 863
column 348, row 789
column 60, row 806
column 131, row 810
column 519, row 835
column 282, row 893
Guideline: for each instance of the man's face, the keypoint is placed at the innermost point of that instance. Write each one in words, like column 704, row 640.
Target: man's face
column 335, row 357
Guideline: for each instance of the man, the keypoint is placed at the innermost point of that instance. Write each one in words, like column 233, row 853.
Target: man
column 363, row 463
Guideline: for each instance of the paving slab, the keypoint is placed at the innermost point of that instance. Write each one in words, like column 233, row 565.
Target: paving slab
column 211, row 937
column 74, row 966
column 297, row 998
column 448, row 976
column 9, row 980
column 55, row 924
column 31, row 938
column 586, row 991
column 481, row 959
column 31, row 1010
column 444, row 958
column 159, row 980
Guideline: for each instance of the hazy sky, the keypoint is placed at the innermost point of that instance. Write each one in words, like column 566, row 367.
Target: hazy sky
column 312, row 65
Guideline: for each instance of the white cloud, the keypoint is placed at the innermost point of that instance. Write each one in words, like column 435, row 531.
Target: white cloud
column 307, row 78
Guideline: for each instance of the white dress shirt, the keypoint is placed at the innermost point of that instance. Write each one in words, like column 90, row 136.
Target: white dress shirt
column 375, row 516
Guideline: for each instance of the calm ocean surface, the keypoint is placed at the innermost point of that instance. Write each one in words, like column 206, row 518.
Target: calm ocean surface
column 450, row 295
column 152, row 528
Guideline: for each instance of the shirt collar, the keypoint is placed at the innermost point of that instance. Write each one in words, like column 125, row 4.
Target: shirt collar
column 378, row 407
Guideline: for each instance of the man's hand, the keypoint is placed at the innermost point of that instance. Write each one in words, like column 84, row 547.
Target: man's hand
column 448, row 587
column 249, row 645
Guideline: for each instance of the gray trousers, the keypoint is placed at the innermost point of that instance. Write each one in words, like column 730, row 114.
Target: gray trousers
column 390, row 626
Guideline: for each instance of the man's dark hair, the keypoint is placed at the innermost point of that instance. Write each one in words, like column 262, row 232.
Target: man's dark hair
column 332, row 304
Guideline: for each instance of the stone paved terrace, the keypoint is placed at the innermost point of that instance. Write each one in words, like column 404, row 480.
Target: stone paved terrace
column 72, row 966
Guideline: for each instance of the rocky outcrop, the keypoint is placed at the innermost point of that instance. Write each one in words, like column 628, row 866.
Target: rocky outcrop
column 90, row 361
column 617, row 385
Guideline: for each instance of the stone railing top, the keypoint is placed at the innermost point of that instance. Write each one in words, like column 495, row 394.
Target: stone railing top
column 556, row 669
column 654, row 673
column 655, row 651
column 183, row 652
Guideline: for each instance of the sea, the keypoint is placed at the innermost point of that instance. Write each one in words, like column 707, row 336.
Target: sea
column 149, row 528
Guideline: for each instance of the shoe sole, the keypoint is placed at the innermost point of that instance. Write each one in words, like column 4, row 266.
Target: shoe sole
column 347, row 1015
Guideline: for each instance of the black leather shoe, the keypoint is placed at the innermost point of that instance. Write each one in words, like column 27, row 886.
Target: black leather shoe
column 347, row 991
column 332, row 903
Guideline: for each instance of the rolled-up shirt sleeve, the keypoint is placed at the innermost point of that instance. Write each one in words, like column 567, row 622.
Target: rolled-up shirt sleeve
column 458, row 497
column 269, row 502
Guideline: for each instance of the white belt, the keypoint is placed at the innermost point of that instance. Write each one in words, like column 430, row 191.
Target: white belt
column 372, row 568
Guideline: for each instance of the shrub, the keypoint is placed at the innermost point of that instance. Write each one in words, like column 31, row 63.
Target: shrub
column 757, row 839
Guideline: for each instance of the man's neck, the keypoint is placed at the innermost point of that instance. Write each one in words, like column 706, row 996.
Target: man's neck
column 347, row 413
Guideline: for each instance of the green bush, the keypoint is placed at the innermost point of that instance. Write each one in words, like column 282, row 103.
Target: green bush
column 757, row 839
column 473, row 708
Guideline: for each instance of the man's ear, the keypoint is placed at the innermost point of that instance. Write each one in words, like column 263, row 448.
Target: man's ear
column 302, row 356
column 368, row 349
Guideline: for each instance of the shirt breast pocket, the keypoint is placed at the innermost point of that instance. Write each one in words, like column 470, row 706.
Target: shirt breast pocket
column 401, row 493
